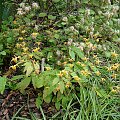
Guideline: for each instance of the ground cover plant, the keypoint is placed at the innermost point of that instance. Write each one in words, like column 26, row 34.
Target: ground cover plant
column 68, row 51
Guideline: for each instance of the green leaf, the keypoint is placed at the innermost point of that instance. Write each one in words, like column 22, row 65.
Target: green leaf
column 64, row 102
column 63, row 23
column 48, row 98
column 108, row 54
column 42, row 14
column 28, row 68
column 17, row 77
column 72, row 54
column 23, row 84
column 59, row 96
column 3, row 53
column 38, row 102
column 78, row 52
column 9, row 40
column 47, row 91
column 85, row 1
column 55, row 1
column 36, row 66
column 2, row 84
column 1, row 47
column 62, row 86
column 56, row 36
column 51, row 17
column 37, row 81
column 50, row 55
column 27, row 20
column 117, row 40
column 95, row 2
column 57, row 105
column 55, row 81
column 101, row 92
column 73, row 74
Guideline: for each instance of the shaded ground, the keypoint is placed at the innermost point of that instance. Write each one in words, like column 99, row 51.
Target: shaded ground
column 13, row 101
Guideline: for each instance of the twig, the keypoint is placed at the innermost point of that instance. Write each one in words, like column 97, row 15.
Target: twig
column 42, row 64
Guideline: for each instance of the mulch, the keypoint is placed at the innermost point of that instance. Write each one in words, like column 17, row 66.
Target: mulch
column 13, row 101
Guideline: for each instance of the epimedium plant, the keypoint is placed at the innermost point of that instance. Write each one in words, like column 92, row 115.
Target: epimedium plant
column 7, row 41
column 62, row 56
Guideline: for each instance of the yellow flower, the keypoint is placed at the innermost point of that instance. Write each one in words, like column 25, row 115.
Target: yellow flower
column 92, row 67
column 95, row 56
column 71, row 60
column 47, row 68
column 114, row 76
column 14, row 22
column 18, row 45
column 34, row 35
column 64, row 63
column 97, row 40
column 23, row 31
column 30, row 56
column 60, row 74
column 23, row 43
column 85, row 72
column 22, row 61
column 38, row 43
column 102, row 79
column 109, row 69
column 97, row 73
column 95, row 36
column 13, row 67
column 85, row 39
column 25, row 49
column 114, row 55
column 71, row 65
column 88, row 43
column 97, row 62
column 68, row 84
column 83, row 65
column 36, row 49
column 76, row 78
column 64, row 72
column 85, row 59
column 114, row 91
column 20, row 38
column 14, row 59
column 115, row 66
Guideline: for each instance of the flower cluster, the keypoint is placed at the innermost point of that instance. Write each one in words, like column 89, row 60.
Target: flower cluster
column 25, row 8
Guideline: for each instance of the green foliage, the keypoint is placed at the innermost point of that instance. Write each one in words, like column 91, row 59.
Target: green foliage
column 63, row 55
column 2, row 84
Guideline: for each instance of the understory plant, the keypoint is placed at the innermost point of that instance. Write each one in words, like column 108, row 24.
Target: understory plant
column 67, row 55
